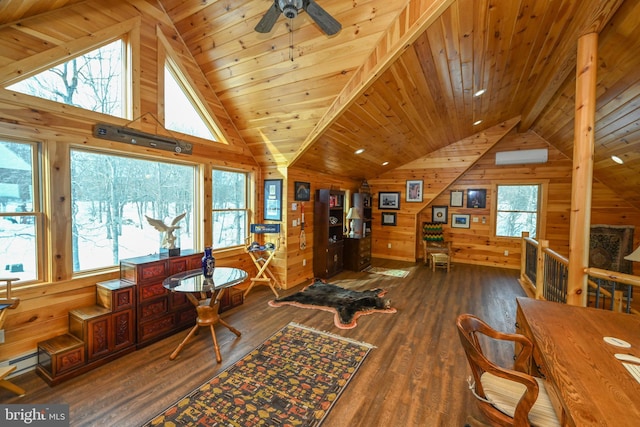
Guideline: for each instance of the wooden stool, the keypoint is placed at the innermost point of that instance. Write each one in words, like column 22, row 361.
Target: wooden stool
column 440, row 260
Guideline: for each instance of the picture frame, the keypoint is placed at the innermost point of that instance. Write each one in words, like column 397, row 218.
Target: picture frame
column 414, row 190
column 439, row 214
column 456, row 199
column 477, row 198
column 460, row 221
column 273, row 199
column 389, row 218
column 301, row 191
column 389, row 200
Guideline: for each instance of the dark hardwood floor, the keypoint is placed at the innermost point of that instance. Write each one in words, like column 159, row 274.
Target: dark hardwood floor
column 416, row 375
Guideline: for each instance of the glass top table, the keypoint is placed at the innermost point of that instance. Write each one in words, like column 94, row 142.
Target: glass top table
column 192, row 282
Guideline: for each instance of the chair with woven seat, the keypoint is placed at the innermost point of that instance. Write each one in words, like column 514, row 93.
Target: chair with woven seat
column 506, row 397
column 433, row 242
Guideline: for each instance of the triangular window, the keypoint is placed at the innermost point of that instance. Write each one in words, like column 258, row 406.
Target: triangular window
column 182, row 110
column 93, row 81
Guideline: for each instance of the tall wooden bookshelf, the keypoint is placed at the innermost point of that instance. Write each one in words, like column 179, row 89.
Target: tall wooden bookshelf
column 328, row 233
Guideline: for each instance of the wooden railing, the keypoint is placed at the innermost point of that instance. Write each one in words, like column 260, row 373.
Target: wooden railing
column 544, row 272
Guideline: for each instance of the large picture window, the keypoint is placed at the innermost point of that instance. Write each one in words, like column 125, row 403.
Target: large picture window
column 517, row 210
column 230, row 208
column 20, row 228
column 110, row 197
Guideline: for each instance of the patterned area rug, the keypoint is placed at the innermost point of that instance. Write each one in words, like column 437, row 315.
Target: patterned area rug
column 293, row 379
column 346, row 304
column 387, row 271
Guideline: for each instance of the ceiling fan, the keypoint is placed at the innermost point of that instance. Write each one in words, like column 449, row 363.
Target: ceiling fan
column 291, row 8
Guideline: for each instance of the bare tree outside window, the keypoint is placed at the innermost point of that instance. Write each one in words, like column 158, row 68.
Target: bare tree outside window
column 110, row 197
column 94, row 81
column 517, row 210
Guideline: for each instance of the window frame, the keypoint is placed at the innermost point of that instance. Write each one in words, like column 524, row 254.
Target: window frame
column 541, row 212
column 37, row 209
column 197, row 202
column 247, row 209
column 126, row 72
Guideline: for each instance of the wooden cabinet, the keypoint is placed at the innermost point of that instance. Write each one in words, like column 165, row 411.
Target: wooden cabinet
column 362, row 202
column 328, row 233
column 159, row 313
column 357, row 253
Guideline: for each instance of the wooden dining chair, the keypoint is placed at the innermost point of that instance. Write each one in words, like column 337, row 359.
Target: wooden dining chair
column 506, row 397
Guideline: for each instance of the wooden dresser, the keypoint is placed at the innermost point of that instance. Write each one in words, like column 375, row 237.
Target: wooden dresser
column 357, row 253
column 159, row 313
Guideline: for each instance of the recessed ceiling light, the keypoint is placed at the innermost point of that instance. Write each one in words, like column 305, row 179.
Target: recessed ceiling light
column 480, row 92
column 385, row 163
column 477, row 122
column 359, row 151
column 617, row 159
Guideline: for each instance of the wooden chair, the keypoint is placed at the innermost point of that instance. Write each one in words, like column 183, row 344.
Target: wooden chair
column 262, row 255
column 507, row 397
column 433, row 242
column 7, row 303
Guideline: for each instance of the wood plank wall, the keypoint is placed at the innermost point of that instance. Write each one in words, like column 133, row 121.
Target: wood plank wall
column 43, row 311
column 478, row 245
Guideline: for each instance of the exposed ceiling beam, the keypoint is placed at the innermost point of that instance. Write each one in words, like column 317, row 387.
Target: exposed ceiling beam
column 411, row 22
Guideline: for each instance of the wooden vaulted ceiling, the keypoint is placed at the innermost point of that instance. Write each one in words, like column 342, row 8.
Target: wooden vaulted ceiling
column 399, row 79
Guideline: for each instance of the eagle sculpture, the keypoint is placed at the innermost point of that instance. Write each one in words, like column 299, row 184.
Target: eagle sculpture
column 169, row 240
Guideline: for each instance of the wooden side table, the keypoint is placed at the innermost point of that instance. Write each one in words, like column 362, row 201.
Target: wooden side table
column 440, row 260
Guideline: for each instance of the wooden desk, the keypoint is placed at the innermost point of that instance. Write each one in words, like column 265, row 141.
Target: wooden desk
column 589, row 385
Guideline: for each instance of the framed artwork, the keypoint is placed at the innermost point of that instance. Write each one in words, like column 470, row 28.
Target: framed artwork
column 456, row 198
column 439, row 214
column 273, row 199
column 460, row 221
column 414, row 191
column 388, row 218
column 389, row 200
column 302, row 191
column 477, row 198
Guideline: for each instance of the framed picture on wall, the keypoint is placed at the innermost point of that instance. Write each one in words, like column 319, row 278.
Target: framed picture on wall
column 414, row 191
column 389, row 200
column 460, row 221
column 477, row 198
column 273, row 199
column 456, row 198
column 388, row 218
column 302, row 191
column 439, row 214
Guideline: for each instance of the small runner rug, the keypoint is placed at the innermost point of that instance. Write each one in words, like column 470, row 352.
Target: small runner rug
column 387, row 271
column 293, row 378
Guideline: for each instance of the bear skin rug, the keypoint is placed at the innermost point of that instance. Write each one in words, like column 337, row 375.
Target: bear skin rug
column 346, row 304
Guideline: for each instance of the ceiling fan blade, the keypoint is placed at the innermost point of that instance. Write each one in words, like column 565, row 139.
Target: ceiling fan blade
column 325, row 21
column 268, row 20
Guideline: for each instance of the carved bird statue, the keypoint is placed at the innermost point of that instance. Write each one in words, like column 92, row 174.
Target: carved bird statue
column 169, row 240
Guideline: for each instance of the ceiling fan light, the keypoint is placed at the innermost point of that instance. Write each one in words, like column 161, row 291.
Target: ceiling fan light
column 290, row 11
column 480, row 92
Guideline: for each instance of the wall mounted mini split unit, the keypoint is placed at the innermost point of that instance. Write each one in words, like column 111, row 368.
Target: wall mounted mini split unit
column 520, row 157
column 136, row 137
